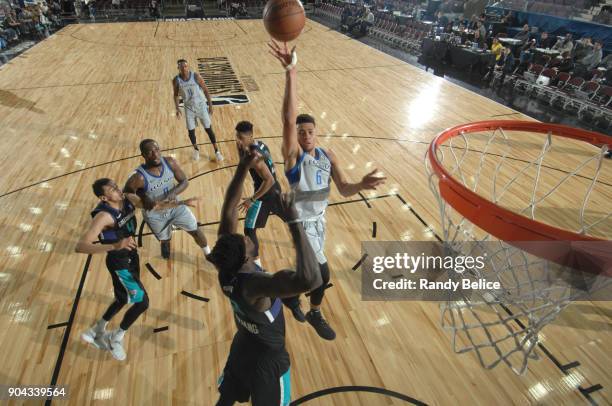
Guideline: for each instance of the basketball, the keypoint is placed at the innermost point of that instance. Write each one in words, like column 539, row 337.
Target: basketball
column 284, row 19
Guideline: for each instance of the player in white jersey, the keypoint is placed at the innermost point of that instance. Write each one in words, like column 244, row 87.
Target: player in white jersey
column 310, row 170
column 161, row 179
column 191, row 88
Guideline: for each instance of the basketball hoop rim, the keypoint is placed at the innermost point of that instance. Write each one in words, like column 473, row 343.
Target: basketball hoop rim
column 498, row 221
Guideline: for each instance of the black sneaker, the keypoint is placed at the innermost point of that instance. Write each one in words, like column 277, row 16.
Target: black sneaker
column 165, row 249
column 298, row 314
column 608, row 155
column 315, row 318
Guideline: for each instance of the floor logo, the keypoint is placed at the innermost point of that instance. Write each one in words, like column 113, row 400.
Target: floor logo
column 222, row 82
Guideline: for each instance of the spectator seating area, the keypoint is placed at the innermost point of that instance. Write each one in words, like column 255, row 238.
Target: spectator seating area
column 560, row 8
column 33, row 22
column 589, row 96
column 407, row 35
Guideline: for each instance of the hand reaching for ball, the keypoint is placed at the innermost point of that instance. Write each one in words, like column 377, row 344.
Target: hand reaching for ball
column 282, row 53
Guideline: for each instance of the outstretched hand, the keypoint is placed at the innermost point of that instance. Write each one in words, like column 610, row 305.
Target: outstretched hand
column 370, row 181
column 281, row 53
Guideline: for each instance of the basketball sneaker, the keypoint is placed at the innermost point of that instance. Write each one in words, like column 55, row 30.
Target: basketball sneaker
column 94, row 337
column 196, row 155
column 218, row 156
column 316, row 320
column 298, row 314
column 114, row 341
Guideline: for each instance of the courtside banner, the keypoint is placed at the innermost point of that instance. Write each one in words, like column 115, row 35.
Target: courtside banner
column 495, row 272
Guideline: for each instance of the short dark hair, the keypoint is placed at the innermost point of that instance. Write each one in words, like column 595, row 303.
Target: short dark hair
column 244, row 127
column 144, row 143
column 305, row 118
column 229, row 253
column 98, row 186
column 181, row 61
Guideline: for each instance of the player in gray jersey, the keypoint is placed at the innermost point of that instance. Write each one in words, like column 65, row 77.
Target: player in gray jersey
column 197, row 102
column 162, row 179
column 310, row 170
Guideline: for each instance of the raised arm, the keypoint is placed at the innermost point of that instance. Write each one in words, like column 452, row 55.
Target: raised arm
column 287, row 283
column 291, row 149
column 229, row 210
column 346, row 189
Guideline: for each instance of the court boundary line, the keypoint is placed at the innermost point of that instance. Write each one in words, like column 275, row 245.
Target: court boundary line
column 357, row 388
column 10, row 192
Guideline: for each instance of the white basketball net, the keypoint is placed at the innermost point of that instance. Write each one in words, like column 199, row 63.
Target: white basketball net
column 504, row 325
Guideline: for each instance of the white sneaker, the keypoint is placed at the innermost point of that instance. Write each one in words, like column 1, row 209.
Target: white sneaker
column 218, row 156
column 196, row 155
column 94, row 338
column 115, row 346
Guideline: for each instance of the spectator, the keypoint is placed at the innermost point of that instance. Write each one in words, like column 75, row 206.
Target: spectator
column 440, row 19
column 154, row 9
column 607, row 62
column 365, row 20
column 523, row 35
column 567, row 63
column 483, row 33
column 478, row 39
column 346, row 14
column 508, row 20
column 496, row 49
column 368, row 22
column 546, row 41
column 582, row 48
column 593, row 58
column 526, row 57
column 115, row 4
column 11, row 27
column 473, row 24
column 565, row 44
column 508, row 66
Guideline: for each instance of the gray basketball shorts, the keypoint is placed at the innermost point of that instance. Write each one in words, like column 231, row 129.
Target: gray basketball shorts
column 315, row 232
column 161, row 221
column 195, row 113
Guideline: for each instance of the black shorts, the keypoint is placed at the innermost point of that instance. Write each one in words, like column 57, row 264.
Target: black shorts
column 258, row 213
column 255, row 373
column 125, row 273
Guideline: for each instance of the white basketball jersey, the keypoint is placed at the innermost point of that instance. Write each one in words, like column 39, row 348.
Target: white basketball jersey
column 190, row 91
column 310, row 179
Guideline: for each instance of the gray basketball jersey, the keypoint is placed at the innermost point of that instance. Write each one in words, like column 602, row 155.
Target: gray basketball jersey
column 157, row 187
column 190, row 91
column 310, row 179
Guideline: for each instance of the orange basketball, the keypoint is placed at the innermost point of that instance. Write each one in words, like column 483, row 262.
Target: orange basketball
column 284, row 19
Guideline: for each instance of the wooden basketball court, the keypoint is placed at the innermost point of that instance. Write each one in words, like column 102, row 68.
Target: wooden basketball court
column 75, row 107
